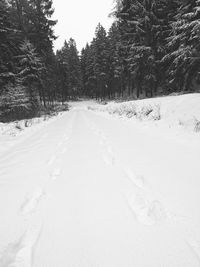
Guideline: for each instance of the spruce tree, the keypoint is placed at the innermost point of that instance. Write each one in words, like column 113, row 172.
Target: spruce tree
column 75, row 79
column 115, row 61
column 29, row 74
column 7, row 44
column 143, row 29
column 101, row 61
column 70, row 64
column 90, row 78
column 184, row 47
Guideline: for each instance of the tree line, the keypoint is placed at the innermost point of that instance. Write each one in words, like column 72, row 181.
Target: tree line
column 28, row 65
column 152, row 48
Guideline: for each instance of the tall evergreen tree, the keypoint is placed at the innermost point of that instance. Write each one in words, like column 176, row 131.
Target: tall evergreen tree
column 7, row 44
column 184, row 46
column 142, row 39
column 89, row 78
column 71, row 66
column 75, row 78
column 30, row 68
column 101, row 61
column 115, row 80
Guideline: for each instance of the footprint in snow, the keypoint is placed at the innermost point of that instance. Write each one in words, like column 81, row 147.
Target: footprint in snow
column 56, row 173
column 101, row 142
column 147, row 212
column 31, row 203
column 51, row 160
column 138, row 180
column 109, row 160
column 60, row 143
column 195, row 246
column 20, row 253
column 66, row 139
column 63, row 151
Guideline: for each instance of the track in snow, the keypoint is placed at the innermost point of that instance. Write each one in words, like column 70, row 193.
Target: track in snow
column 89, row 192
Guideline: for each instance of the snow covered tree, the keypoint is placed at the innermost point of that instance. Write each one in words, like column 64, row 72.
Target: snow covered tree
column 87, row 63
column 100, row 44
column 14, row 102
column 33, row 21
column 41, row 33
column 7, row 45
column 184, row 47
column 74, row 66
column 29, row 75
column 95, row 65
column 62, row 73
column 141, row 27
column 116, row 62
column 4, row 29
column 144, row 26
column 84, row 58
column 125, row 39
column 70, row 64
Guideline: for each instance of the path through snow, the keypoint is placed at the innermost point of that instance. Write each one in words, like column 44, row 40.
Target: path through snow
column 97, row 191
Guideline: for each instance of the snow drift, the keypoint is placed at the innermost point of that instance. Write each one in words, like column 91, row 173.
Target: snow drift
column 182, row 110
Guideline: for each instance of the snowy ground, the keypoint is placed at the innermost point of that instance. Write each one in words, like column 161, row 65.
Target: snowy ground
column 181, row 111
column 92, row 190
column 13, row 132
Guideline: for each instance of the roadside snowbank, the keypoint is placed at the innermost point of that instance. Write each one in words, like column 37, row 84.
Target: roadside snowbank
column 16, row 127
column 13, row 132
column 175, row 111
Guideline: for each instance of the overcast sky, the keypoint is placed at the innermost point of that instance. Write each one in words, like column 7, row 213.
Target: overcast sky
column 79, row 18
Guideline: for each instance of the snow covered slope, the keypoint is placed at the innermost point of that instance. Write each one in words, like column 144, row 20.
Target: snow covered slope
column 92, row 190
column 174, row 111
column 13, row 132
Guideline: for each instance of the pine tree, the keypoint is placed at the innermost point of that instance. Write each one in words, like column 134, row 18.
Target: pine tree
column 101, row 61
column 4, row 29
column 33, row 20
column 83, row 58
column 29, row 75
column 122, row 70
column 70, row 64
column 115, row 61
column 184, row 47
column 62, row 72
column 7, row 45
column 143, row 29
column 41, row 32
column 90, row 78
column 75, row 79
column 14, row 102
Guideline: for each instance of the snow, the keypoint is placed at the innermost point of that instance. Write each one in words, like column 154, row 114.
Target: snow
column 90, row 188
column 12, row 132
column 182, row 110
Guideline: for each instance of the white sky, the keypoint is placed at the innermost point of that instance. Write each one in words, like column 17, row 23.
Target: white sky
column 79, row 18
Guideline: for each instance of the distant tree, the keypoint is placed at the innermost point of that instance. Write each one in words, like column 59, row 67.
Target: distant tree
column 70, row 66
column 74, row 67
column 115, row 79
column 62, row 73
column 101, row 55
column 84, row 58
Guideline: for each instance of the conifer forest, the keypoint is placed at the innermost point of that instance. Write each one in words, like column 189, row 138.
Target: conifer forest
column 99, row 133
column 151, row 49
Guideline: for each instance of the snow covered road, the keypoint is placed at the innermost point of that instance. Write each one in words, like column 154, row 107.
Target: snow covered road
column 90, row 190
